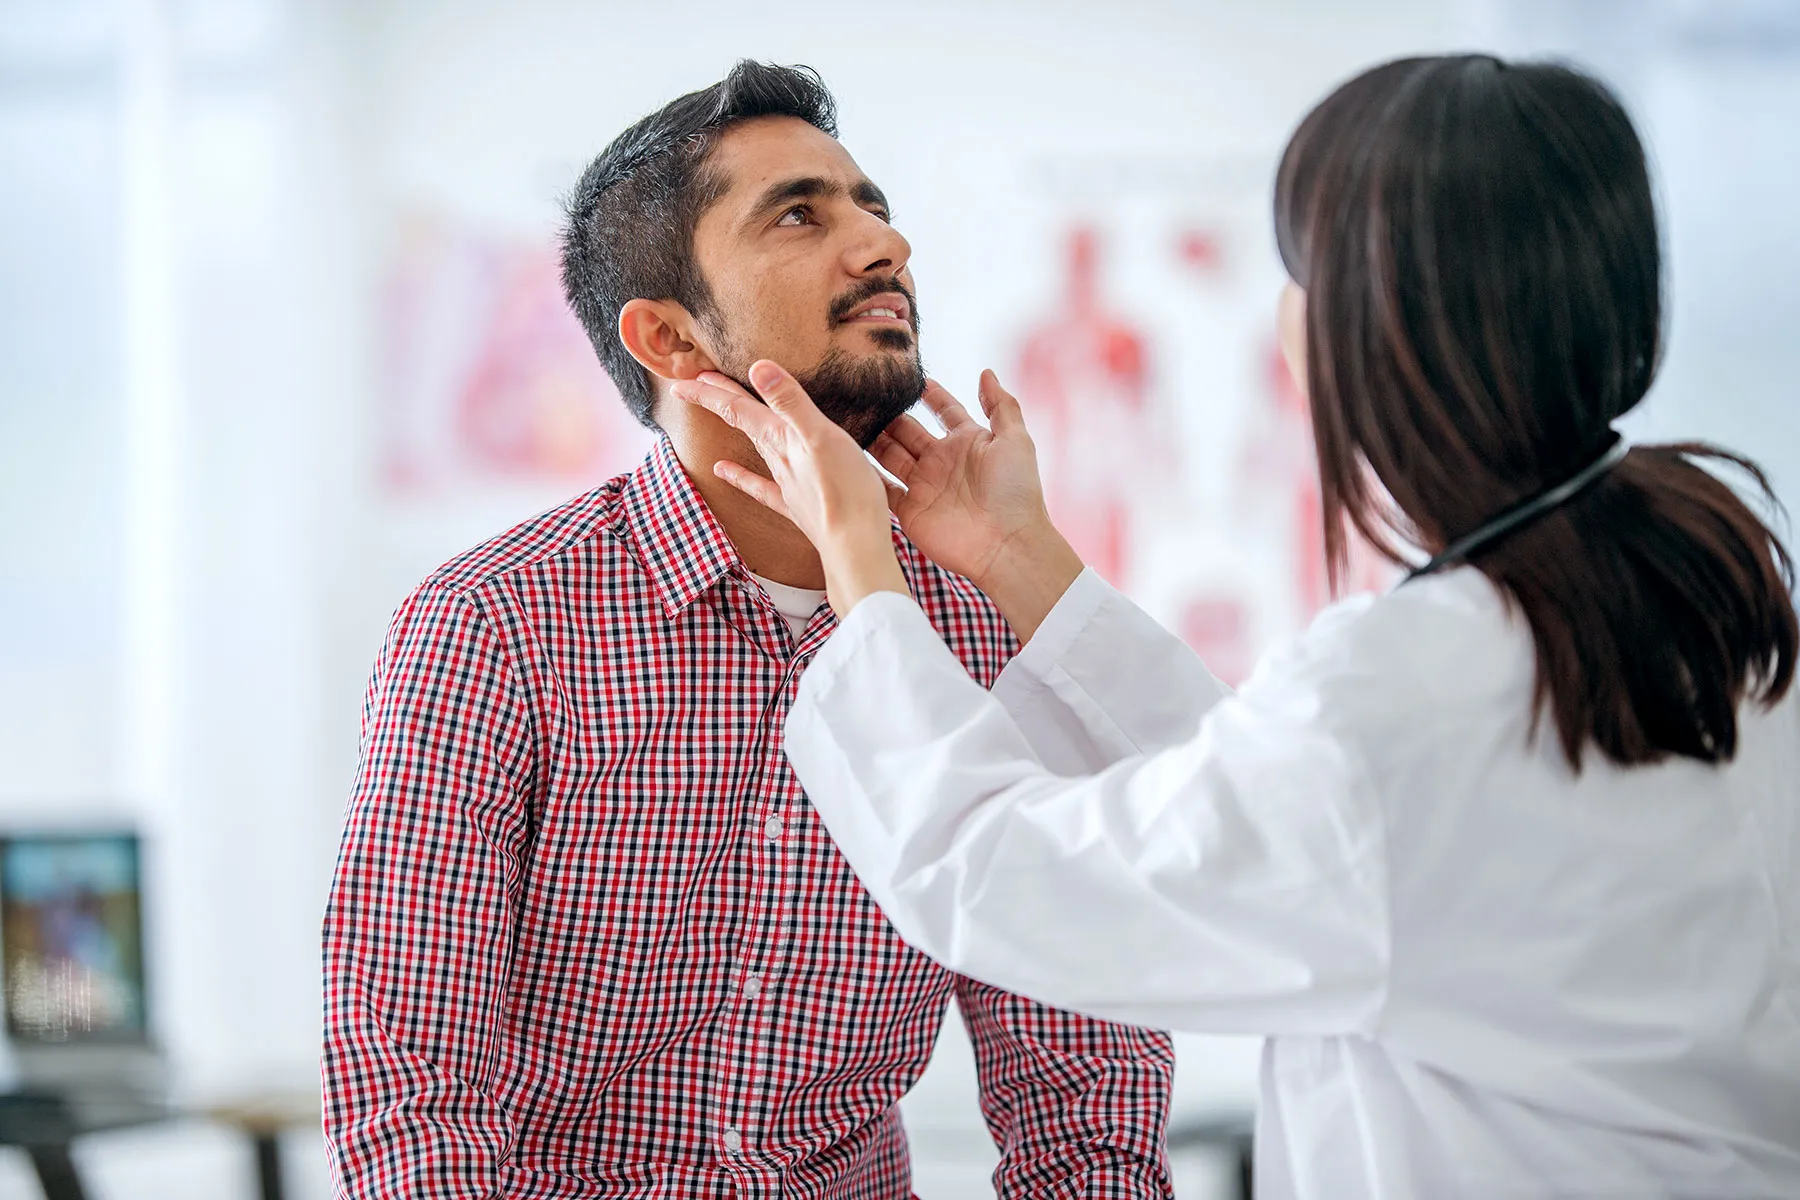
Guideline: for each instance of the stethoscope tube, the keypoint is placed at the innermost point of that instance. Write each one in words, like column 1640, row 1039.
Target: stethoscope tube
column 1523, row 512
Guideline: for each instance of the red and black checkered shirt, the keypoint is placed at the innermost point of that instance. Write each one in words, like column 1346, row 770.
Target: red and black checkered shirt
column 587, row 937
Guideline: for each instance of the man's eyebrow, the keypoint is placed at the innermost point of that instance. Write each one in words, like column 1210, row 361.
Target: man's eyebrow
column 868, row 195
column 807, row 187
column 814, row 187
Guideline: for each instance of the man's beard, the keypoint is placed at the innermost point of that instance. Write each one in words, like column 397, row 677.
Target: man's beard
column 865, row 395
column 862, row 395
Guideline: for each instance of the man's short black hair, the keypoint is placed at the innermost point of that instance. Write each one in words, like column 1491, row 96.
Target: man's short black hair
column 631, row 217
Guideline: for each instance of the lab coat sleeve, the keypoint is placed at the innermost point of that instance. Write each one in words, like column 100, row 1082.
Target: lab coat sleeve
column 1233, row 883
column 1101, row 680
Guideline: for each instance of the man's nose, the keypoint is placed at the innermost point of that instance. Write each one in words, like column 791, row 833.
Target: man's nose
column 877, row 248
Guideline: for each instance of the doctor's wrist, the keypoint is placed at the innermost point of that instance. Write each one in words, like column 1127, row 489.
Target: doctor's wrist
column 856, row 570
column 1029, row 575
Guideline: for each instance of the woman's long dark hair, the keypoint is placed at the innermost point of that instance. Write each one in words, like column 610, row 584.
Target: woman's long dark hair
column 1478, row 247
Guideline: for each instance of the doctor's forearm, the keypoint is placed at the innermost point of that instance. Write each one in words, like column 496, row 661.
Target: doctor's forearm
column 1028, row 577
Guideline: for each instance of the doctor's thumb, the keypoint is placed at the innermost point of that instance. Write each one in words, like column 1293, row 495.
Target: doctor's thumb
column 779, row 390
column 1002, row 408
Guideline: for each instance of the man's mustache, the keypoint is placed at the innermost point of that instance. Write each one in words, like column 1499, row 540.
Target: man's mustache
column 868, row 289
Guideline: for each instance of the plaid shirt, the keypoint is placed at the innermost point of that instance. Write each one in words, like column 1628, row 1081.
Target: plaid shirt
column 587, row 938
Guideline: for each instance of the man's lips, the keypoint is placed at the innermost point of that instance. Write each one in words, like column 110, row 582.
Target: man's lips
column 888, row 308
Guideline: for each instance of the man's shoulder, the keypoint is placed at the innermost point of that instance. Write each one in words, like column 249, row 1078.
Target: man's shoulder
column 574, row 531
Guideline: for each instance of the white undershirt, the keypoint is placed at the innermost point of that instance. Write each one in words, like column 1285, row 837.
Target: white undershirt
column 796, row 604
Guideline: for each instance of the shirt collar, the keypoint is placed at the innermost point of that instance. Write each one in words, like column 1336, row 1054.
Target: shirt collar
column 681, row 544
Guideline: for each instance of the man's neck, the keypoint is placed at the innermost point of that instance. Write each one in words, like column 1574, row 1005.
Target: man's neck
column 769, row 543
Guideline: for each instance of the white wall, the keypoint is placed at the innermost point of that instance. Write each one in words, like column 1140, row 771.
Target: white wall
column 180, row 332
column 61, row 443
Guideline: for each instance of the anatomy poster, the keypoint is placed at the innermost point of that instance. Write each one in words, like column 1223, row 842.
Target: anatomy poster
column 487, row 376
column 1177, row 451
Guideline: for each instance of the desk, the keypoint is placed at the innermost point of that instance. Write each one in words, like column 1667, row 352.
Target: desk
column 45, row 1126
column 263, row 1119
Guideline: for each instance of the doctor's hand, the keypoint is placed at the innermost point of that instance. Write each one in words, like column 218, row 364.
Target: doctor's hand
column 975, row 505
column 819, row 478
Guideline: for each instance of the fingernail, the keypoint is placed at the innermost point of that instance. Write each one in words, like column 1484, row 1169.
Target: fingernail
column 714, row 378
column 683, row 389
column 765, row 374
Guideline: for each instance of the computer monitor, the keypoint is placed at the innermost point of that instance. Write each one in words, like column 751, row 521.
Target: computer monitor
column 72, row 935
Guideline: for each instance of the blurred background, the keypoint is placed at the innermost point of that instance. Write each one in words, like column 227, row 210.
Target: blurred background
column 280, row 331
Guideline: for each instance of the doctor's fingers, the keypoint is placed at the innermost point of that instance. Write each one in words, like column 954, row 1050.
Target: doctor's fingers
column 912, row 437
column 764, row 491
column 788, row 400
column 737, row 408
column 896, row 459
column 946, row 407
column 1005, row 417
column 896, row 496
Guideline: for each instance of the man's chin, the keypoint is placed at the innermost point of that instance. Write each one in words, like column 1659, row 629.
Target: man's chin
column 865, row 423
column 864, row 393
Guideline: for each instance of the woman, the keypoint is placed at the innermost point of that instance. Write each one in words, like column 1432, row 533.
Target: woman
column 1502, row 861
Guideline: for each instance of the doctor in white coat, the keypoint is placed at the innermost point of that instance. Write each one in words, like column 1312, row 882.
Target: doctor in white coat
column 1501, row 862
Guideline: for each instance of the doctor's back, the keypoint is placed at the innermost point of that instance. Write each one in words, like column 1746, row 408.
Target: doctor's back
column 1593, row 979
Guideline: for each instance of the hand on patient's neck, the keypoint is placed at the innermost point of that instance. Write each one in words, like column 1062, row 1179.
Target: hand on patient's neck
column 769, row 544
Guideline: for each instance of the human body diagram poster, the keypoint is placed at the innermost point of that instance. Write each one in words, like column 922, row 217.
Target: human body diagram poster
column 1176, row 448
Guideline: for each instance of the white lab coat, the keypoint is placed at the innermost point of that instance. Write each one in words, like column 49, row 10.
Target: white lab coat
column 1480, row 974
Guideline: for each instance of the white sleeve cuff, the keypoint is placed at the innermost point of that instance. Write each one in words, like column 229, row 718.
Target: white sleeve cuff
column 1062, row 627
column 876, row 613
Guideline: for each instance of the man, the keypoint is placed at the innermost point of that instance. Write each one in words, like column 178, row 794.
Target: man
column 587, row 937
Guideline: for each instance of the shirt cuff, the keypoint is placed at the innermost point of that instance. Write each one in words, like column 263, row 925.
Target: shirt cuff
column 876, row 612
column 1060, row 630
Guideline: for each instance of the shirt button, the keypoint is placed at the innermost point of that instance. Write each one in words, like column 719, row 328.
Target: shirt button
column 752, row 987
column 772, row 829
column 734, row 1141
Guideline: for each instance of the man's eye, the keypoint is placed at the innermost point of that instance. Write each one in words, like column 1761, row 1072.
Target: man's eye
column 884, row 214
column 800, row 214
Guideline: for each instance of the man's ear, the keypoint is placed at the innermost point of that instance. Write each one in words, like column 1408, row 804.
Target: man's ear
column 660, row 335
